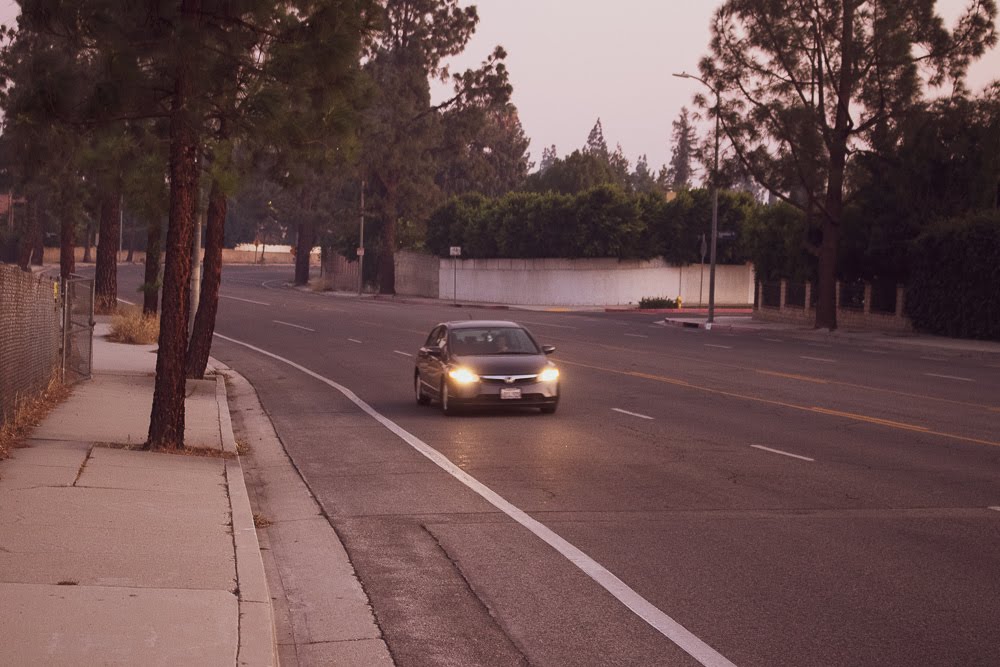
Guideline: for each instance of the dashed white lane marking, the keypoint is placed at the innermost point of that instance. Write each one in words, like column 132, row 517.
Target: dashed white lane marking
column 875, row 351
column 818, row 345
column 236, row 298
column 949, row 377
column 773, row 340
column 995, row 508
column 636, row 335
column 631, row 414
column 641, row 607
column 405, row 354
column 354, row 340
column 827, row 361
column 935, row 359
column 722, row 347
column 778, row 451
column 297, row 326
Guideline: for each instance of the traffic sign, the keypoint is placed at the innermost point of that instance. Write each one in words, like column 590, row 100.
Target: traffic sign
column 361, row 252
column 456, row 251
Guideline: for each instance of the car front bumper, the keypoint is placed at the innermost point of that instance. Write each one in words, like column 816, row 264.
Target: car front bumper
column 533, row 394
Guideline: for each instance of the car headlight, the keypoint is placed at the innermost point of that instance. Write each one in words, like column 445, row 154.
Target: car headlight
column 549, row 375
column 463, row 376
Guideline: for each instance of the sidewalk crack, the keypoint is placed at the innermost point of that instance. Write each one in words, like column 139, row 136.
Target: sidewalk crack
column 82, row 466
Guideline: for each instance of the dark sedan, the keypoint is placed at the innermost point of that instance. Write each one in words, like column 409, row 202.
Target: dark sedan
column 485, row 363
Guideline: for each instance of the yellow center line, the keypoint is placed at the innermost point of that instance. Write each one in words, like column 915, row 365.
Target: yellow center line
column 802, row 408
column 792, row 376
column 802, row 378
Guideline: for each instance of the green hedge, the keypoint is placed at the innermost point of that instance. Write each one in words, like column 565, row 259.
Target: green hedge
column 604, row 221
column 955, row 278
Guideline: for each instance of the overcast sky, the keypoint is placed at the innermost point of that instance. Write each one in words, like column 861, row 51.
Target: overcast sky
column 572, row 61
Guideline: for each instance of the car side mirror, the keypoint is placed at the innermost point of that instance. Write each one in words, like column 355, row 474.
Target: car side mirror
column 548, row 349
column 433, row 350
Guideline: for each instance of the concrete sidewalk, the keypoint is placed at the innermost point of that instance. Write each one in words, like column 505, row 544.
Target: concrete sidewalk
column 114, row 556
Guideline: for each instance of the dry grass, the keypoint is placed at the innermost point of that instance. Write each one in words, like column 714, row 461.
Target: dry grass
column 323, row 284
column 260, row 521
column 130, row 325
column 242, row 447
column 30, row 414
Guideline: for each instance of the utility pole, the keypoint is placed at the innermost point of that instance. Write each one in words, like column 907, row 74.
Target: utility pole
column 715, row 198
column 361, row 245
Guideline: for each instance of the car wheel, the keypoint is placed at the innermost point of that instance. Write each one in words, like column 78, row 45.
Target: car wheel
column 447, row 406
column 549, row 409
column 418, row 389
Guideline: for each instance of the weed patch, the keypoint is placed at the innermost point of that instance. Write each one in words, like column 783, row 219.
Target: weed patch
column 132, row 326
column 30, row 413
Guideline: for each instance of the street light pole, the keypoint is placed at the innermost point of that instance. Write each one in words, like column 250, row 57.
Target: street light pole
column 361, row 245
column 715, row 199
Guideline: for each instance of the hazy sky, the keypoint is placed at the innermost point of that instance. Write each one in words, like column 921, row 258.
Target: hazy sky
column 572, row 61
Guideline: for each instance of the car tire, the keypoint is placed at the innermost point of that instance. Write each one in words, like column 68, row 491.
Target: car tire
column 447, row 407
column 418, row 389
column 549, row 409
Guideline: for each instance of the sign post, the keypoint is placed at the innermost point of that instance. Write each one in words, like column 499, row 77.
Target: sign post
column 701, row 285
column 455, row 251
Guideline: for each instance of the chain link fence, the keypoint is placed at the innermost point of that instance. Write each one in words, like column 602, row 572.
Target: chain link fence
column 77, row 329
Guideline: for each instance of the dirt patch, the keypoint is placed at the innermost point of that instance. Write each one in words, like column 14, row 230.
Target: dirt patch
column 29, row 414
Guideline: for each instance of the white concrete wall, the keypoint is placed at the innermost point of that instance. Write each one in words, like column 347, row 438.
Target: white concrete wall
column 588, row 282
column 416, row 274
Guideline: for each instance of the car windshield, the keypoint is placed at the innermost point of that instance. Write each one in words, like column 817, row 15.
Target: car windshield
column 494, row 340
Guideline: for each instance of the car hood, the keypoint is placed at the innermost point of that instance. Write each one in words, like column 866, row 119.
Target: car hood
column 504, row 364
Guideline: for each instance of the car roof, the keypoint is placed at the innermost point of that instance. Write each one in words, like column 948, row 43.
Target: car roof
column 482, row 324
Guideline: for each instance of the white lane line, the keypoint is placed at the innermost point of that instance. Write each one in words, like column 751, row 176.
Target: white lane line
column 631, row 414
column 818, row 345
column 405, row 354
column 544, row 324
column 354, row 340
column 637, row 335
column 236, row 298
column 875, row 351
column 297, row 326
column 773, row 340
column 949, row 377
column 828, row 361
column 722, row 347
column 934, row 359
column 995, row 508
column 778, row 451
column 127, row 301
column 642, row 608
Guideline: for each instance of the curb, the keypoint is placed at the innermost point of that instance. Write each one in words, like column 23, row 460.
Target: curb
column 709, row 327
column 258, row 645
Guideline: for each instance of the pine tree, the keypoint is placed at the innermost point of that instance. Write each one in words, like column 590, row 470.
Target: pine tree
column 549, row 157
column 800, row 85
column 596, row 144
column 678, row 176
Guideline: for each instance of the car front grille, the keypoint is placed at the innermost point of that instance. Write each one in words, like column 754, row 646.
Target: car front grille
column 509, row 380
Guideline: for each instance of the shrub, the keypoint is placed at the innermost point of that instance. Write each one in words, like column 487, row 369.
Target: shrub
column 955, row 270
column 657, row 302
column 131, row 326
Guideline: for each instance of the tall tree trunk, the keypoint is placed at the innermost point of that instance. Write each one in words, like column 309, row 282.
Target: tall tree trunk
column 166, row 422
column 151, row 278
column 67, row 247
column 26, row 241
column 826, row 304
column 386, row 260
column 106, row 273
column 306, row 239
column 131, row 243
column 200, row 345
column 88, row 240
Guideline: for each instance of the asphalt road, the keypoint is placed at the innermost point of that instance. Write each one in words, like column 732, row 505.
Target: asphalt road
column 783, row 500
